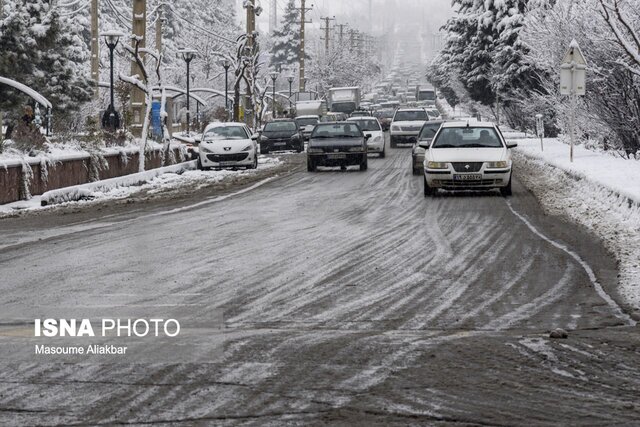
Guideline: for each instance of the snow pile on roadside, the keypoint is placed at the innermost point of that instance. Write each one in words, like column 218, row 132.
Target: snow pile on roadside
column 598, row 191
column 616, row 174
column 155, row 181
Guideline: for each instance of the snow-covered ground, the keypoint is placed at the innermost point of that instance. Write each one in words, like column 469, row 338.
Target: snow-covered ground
column 598, row 190
column 151, row 182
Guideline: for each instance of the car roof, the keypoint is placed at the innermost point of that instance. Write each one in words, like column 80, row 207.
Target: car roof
column 410, row 109
column 309, row 116
column 223, row 124
column 353, row 119
column 468, row 123
column 281, row 120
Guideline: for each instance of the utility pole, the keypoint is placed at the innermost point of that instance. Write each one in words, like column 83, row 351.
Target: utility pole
column 301, row 54
column 327, row 36
column 273, row 16
column 341, row 26
column 95, row 47
column 138, row 98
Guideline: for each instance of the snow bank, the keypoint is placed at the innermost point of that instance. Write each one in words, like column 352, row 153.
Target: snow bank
column 614, row 173
column 86, row 191
column 599, row 191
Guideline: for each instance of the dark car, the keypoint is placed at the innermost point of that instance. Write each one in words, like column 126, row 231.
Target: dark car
column 281, row 134
column 337, row 144
column 385, row 117
column 429, row 130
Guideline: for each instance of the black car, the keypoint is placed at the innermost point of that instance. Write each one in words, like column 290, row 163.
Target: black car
column 281, row 134
column 337, row 144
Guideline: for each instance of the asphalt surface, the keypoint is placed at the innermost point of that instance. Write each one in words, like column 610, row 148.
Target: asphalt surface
column 348, row 298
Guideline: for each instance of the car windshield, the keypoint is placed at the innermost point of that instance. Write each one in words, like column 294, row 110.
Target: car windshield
column 280, row 127
column 307, row 121
column 225, row 133
column 368, row 125
column 433, row 113
column 467, row 137
column 429, row 130
column 337, row 130
column 411, row 116
column 386, row 114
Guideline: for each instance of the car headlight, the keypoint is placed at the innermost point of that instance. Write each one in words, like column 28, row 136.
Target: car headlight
column 204, row 149
column 496, row 165
column 315, row 150
column 437, row 165
column 356, row 149
column 377, row 139
column 247, row 148
column 395, row 128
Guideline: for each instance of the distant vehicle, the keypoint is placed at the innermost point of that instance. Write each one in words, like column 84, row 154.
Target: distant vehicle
column 311, row 108
column 390, row 104
column 360, row 113
column 281, row 134
column 467, row 156
column 333, row 117
column 370, row 125
column 344, row 99
column 385, row 117
column 426, row 95
column 306, row 124
column 429, row 130
column 406, row 125
column 337, row 144
column 227, row 145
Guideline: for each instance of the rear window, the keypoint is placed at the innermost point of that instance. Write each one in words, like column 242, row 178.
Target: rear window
column 280, row 127
column 467, row 137
column 411, row 116
column 307, row 121
column 337, row 130
column 367, row 125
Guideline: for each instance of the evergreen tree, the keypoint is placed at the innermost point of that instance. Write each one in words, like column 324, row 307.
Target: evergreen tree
column 286, row 40
column 42, row 50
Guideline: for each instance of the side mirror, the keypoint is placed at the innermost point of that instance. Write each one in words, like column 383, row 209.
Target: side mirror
column 424, row 144
column 255, row 136
column 367, row 136
column 512, row 145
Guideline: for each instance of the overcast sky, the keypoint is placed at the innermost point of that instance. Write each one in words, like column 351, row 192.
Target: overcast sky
column 426, row 13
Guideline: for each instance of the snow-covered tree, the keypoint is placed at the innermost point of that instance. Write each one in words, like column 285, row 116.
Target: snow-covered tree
column 286, row 39
column 42, row 49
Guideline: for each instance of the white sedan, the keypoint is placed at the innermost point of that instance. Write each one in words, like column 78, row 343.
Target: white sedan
column 467, row 156
column 227, row 145
column 371, row 126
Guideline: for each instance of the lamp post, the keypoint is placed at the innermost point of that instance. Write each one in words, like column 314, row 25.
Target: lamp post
column 290, row 79
column 111, row 119
column 188, row 55
column 274, row 77
column 226, row 64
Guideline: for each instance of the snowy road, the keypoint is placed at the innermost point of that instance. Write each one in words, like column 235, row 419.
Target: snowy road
column 347, row 298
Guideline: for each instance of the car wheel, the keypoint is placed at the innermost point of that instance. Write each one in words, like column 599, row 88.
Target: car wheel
column 311, row 166
column 506, row 191
column 255, row 163
column 364, row 164
column 200, row 167
column 382, row 153
column 428, row 191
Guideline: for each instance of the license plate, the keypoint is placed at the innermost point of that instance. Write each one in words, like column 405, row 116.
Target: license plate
column 227, row 163
column 469, row 177
column 336, row 156
column 280, row 143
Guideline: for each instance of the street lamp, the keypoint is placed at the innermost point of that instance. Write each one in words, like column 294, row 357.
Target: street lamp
column 290, row 79
column 226, row 64
column 274, row 77
column 111, row 119
column 188, row 55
